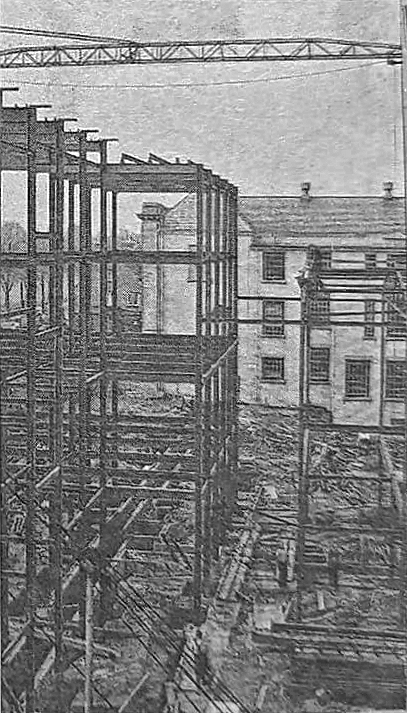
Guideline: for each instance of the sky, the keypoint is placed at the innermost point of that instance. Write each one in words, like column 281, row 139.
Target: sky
column 339, row 128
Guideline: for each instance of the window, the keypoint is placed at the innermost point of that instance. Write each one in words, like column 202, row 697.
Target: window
column 357, row 378
column 396, row 320
column 272, row 369
column 396, row 260
column 274, row 266
column 395, row 379
column 273, row 318
column 370, row 261
column 370, row 309
column 319, row 309
column 326, row 258
column 319, row 365
column 133, row 299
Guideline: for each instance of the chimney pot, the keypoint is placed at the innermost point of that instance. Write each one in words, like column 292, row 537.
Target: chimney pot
column 388, row 190
column 305, row 190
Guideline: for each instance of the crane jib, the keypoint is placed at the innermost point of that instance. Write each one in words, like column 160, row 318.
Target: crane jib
column 209, row 51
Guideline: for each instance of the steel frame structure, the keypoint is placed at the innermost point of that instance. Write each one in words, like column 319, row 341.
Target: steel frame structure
column 62, row 459
column 384, row 287
column 207, row 51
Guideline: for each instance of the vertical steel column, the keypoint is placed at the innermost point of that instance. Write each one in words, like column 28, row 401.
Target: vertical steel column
column 51, row 283
column 71, row 266
column 103, row 366
column 88, row 707
column 229, row 362
column 199, row 468
column 224, row 368
column 82, row 421
column 30, row 523
column 403, row 572
column 218, row 444
column 382, row 383
column 234, row 335
column 115, row 388
column 4, row 549
column 159, row 273
column 88, row 317
column 209, row 357
column 83, row 342
column 58, row 395
column 51, row 211
column 114, row 264
column 303, row 450
column 72, row 320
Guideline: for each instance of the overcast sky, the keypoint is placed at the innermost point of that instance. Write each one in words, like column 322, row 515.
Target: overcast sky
column 339, row 129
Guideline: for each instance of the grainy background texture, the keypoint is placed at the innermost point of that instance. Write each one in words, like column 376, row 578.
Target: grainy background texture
column 340, row 130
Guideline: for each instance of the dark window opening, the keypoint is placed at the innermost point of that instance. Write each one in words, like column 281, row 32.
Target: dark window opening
column 319, row 365
column 395, row 379
column 274, row 266
column 273, row 318
column 396, row 319
column 357, row 378
column 325, row 258
column 319, row 309
column 133, row 299
column 272, row 369
column 396, row 261
column 370, row 261
column 370, row 310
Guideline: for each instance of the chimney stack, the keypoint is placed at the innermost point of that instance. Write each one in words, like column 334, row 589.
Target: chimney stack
column 305, row 189
column 388, row 190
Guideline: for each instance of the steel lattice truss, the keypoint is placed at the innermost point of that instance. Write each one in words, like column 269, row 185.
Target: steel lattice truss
column 244, row 50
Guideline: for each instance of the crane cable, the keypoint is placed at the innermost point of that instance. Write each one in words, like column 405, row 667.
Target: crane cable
column 188, row 85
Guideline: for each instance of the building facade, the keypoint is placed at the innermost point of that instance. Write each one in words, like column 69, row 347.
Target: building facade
column 356, row 343
column 355, row 364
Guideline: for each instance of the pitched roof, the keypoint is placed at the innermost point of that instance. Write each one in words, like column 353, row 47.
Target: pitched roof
column 283, row 217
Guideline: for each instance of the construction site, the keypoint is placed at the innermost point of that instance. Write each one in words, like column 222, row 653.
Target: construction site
column 145, row 509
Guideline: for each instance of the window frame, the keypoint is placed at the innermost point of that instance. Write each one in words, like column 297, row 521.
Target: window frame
column 402, row 375
column 322, row 318
column 369, row 324
column 393, row 261
column 279, row 378
column 395, row 328
column 270, row 254
column 325, row 258
column 373, row 259
column 133, row 304
column 326, row 363
column 274, row 323
column 366, row 393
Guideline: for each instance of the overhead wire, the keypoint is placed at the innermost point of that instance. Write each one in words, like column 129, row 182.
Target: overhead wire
column 17, row 30
column 167, row 638
column 160, row 619
column 192, row 85
column 231, row 695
